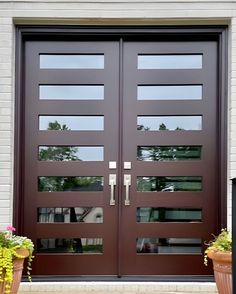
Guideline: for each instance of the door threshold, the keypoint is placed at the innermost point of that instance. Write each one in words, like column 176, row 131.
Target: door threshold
column 192, row 278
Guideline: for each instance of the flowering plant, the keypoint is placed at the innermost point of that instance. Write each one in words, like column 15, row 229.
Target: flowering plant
column 222, row 242
column 9, row 250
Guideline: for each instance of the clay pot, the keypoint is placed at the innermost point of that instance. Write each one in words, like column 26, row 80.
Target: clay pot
column 18, row 265
column 222, row 265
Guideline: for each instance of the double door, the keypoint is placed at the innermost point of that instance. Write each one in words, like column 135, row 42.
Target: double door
column 120, row 156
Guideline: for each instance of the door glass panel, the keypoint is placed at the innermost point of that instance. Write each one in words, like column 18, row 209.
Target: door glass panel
column 81, row 61
column 70, row 215
column 70, row 245
column 70, row 153
column 170, row 61
column 69, row 92
column 170, row 92
column 169, row 245
column 71, row 123
column 169, row 184
column 163, row 214
column 169, row 123
column 168, row 153
column 66, row 184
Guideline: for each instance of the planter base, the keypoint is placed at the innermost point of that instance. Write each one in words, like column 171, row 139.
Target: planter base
column 222, row 265
column 18, row 265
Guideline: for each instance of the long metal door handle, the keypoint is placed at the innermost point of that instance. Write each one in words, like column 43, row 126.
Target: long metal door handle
column 112, row 183
column 127, row 183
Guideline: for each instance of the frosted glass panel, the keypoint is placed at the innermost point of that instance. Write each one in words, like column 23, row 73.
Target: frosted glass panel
column 62, row 61
column 170, row 61
column 68, row 92
column 170, row 92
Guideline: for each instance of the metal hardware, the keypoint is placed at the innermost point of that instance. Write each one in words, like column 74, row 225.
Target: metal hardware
column 127, row 183
column 127, row 165
column 112, row 183
column 112, row 164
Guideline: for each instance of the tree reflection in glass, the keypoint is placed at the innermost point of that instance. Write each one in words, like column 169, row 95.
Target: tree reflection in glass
column 169, row 123
column 168, row 153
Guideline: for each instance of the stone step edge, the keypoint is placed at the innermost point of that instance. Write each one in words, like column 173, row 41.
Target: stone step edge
column 109, row 287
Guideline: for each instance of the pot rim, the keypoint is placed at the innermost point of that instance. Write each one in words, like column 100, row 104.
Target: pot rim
column 224, row 256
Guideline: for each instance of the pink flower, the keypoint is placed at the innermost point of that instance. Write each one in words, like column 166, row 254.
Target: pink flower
column 11, row 229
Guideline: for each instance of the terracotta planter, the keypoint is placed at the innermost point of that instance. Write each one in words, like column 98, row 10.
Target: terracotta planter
column 18, row 264
column 222, row 265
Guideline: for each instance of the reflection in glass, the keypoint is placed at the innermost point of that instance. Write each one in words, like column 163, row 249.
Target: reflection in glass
column 170, row 92
column 70, row 245
column 70, row 153
column 70, row 214
column 170, row 61
column 71, row 92
column 168, row 153
column 77, row 184
column 163, row 214
column 169, row 184
column 71, row 123
column 169, row 245
column 80, row 61
column 169, row 123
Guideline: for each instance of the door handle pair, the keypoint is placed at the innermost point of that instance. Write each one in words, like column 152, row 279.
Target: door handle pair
column 112, row 184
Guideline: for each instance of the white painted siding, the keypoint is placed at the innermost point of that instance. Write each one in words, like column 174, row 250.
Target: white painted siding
column 101, row 12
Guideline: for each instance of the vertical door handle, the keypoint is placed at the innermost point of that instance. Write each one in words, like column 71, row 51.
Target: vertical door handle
column 127, row 183
column 112, row 183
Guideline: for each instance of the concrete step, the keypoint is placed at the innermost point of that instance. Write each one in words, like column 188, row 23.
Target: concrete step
column 118, row 287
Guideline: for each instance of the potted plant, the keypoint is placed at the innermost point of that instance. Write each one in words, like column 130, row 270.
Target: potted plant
column 220, row 251
column 13, row 250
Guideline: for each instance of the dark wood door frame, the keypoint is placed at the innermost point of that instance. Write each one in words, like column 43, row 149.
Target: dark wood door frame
column 196, row 33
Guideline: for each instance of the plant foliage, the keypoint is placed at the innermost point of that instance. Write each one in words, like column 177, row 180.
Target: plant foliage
column 222, row 242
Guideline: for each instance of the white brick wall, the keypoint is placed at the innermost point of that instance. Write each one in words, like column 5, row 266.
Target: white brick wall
column 101, row 12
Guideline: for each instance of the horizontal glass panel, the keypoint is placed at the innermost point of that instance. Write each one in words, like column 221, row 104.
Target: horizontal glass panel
column 80, row 61
column 71, row 123
column 163, row 214
column 169, row 123
column 170, row 61
column 74, row 184
column 168, row 153
column 72, row 245
column 70, row 215
column 170, row 92
column 169, row 184
column 70, row 153
column 169, row 245
column 69, row 92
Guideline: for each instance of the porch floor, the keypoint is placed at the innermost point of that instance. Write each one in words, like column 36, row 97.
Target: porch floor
column 118, row 287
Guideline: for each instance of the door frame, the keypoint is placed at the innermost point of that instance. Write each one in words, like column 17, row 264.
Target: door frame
column 189, row 33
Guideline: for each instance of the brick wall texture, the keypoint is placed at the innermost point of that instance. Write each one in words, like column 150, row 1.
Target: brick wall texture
column 101, row 12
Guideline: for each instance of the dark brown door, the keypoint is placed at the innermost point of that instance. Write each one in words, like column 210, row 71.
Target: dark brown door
column 120, row 161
